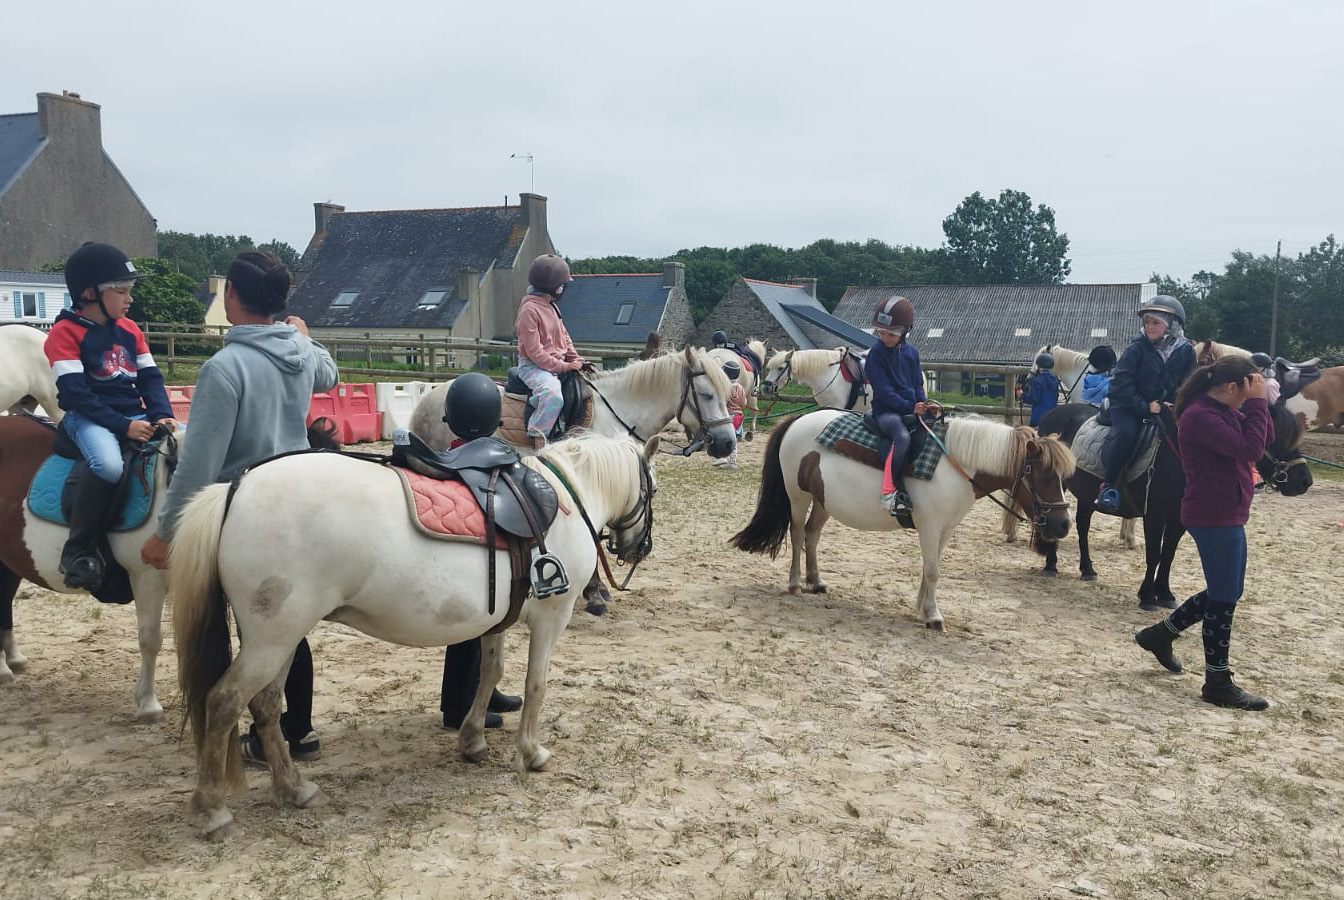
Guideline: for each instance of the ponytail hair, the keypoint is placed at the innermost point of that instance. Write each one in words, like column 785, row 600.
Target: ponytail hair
column 1224, row 370
column 261, row 282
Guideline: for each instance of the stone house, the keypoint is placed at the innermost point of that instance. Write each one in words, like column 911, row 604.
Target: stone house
column 435, row 272
column 785, row 316
column 59, row 188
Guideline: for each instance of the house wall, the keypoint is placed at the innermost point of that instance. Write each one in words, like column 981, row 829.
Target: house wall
column 71, row 192
column 503, row 288
column 47, row 301
column 741, row 315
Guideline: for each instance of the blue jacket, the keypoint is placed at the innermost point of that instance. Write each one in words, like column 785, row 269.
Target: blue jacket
column 895, row 377
column 1095, row 388
column 1142, row 376
column 1042, row 395
column 105, row 372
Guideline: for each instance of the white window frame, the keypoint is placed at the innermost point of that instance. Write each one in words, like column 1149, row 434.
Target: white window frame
column 441, row 292
column 935, row 332
column 628, row 311
column 337, row 304
column 1021, row 332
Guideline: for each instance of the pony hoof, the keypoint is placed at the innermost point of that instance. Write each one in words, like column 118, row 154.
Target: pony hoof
column 795, row 589
column 596, row 607
column 1048, row 573
column 150, row 717
column 18, row 666
column 1089, row 576
column 6, row 676
column 476, row 755
column 936, row 625
column 542, row 762
column 309, row 796
column 818, row 588
column 749, row 436
column 219, row 827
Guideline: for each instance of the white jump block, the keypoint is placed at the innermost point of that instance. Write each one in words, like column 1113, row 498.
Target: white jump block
column 396, row 401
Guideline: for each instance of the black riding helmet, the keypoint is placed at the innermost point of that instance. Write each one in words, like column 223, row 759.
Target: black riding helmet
column 94, row 264
column 1045, row 361
column 1102, row 358
column 732, row 369
column 472, row 407
column 720, row 339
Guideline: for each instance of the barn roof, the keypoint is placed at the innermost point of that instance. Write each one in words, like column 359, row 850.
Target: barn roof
column 391, row 259
column 1005, row 324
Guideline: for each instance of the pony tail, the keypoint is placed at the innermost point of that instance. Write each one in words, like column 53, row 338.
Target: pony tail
column 770, row 523
column 1198, row 383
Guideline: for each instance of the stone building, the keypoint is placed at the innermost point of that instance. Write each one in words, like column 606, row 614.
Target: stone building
column 59, row 188
column 785, row 316
column 619, row 311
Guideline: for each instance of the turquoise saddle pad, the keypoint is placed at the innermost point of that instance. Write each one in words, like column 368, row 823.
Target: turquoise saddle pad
column 44, row 497
column 850, row 427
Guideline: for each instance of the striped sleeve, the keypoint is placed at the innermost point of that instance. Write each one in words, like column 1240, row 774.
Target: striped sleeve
column 148, row 378
column 143, row 358
column 62, row 349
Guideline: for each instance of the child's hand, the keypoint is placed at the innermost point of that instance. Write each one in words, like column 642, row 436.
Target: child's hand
column 139, row 430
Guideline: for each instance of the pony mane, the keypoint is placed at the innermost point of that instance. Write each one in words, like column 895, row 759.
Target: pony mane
column 807, row 363
column 757, row 347
column 1064, row 357
column 1208, row 351
column 984, row 445
column 591, row 463
column 648, row 376
column 1288, row 431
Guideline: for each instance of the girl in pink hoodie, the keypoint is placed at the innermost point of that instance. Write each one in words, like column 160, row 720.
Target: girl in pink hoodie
column 544, row 348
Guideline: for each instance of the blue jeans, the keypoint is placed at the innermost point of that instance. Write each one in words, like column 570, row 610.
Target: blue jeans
column 100, row 447
column 1222, row 554
column 1125, row 426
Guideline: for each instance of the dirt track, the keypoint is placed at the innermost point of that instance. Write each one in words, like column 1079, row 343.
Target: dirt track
column 715, row 736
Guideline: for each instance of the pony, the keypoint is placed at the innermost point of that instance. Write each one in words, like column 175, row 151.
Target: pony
column 1070, row 367
column 342, row 547
column 25, row 378
column 799, row 475
column 820, row 370
column 639, row 400
column 1283, row 468
column 1319, row 403
column 30, row 549
column 750, row 381
column 1064, row 422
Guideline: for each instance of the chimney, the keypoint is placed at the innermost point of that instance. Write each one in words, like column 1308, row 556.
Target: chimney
column 674, row 275
column 807, row 284
column 468, row 285
column 534, row 211
column 322, row 213
column 60, row 114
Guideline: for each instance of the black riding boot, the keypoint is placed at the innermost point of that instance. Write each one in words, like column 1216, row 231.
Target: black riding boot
column 1220, row 690
column 1157, row 639
column 81, row 564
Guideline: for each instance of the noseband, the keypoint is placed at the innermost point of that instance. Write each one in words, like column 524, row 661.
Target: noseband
column 1040, row 509
column 785, row 375
column 689, row 396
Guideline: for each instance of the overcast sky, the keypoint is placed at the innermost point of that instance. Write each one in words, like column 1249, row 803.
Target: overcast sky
column 1163, row 134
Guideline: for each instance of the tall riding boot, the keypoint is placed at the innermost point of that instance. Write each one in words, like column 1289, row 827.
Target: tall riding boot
column 80, row 562
column 1221, row 690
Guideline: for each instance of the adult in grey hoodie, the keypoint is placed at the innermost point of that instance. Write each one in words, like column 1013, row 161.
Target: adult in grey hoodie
column 251, row 403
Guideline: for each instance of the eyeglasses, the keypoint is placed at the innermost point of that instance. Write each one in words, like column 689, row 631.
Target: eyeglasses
column 116, row 286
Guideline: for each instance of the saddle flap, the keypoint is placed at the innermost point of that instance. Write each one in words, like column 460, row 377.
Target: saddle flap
column 482, row 453
column 851, row 367
column 509, row 514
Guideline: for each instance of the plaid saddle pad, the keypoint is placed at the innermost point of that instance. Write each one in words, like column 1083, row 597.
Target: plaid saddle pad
column 847, row 433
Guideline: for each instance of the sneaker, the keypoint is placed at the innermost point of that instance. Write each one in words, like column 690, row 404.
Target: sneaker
column 1108, row 500
column 720, row 462
column 731, row 466
column 306, row 750
column 897, row 502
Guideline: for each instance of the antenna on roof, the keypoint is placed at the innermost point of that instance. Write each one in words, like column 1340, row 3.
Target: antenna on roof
column 531, row 167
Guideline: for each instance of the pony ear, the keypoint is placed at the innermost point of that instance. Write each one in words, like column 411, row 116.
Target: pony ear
column 689, row 353
column 651, row 447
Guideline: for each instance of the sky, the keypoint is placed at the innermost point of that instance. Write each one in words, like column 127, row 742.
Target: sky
column 1163, row 134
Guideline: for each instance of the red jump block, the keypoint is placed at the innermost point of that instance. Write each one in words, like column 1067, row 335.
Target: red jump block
column 179, row 398
column 354, row 410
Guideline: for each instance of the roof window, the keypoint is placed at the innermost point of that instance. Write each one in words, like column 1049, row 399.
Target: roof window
column 935, row 332
column 624, row 313
column 1098, row 332
column 431, row 299
column 344, row 298
column 1021, row 332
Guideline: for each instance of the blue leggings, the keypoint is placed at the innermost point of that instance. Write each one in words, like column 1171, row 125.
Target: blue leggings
column 892, row 425
column 1222, row 553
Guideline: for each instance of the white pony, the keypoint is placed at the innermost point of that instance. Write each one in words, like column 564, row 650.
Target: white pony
column 821, row 371
column 342, row 547
column 30, row 549
column 750, row 381
column 640, row 400
column 801, row 475
column 25, row 374
column 1070, row 367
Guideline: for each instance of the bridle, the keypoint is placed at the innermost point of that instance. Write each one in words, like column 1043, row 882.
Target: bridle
column 785, row 376
column 688, row 397
column 631, row 550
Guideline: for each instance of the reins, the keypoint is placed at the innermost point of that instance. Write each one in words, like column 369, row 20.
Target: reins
column 644, row 482
column 1023, row 474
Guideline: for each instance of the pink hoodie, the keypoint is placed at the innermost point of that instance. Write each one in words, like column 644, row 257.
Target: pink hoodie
column 542, row 338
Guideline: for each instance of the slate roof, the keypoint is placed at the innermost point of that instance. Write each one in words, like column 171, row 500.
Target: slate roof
column 391, row 258
column 12, row 277
column 20, row 139
column 775, row 297
column 592, row 303
column 849, row 334
column 980, row 322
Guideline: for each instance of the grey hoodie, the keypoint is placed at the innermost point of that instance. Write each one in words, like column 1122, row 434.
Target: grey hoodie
column 251, row 403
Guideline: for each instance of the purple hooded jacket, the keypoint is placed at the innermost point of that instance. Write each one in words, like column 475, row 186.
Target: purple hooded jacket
column 1217, row 444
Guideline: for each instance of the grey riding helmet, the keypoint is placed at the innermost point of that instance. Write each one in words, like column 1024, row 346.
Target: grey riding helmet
column 1164, row 304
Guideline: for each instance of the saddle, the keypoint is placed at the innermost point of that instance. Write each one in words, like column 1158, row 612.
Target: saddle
column 753, row 363
column 1091, row 445
column 851, row 370
column 514, row 499
column 856, row 437
column 1292, row 377
column 574, row 412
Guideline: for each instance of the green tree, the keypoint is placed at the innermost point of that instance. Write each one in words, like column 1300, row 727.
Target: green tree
column 164, row 295
column 199, row 256
column 1311, row 320
column 1005, row 241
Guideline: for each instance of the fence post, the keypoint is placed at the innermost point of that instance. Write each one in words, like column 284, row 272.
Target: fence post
column 172, row 355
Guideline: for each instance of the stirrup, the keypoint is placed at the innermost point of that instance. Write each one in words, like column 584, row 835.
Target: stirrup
column 548, row 576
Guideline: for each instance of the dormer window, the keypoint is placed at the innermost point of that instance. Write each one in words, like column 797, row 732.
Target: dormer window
column 623, row 315
column 344, row 299
column 1021, row 332
column 431, row 299
column 935, row 332
column 1098, row 332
